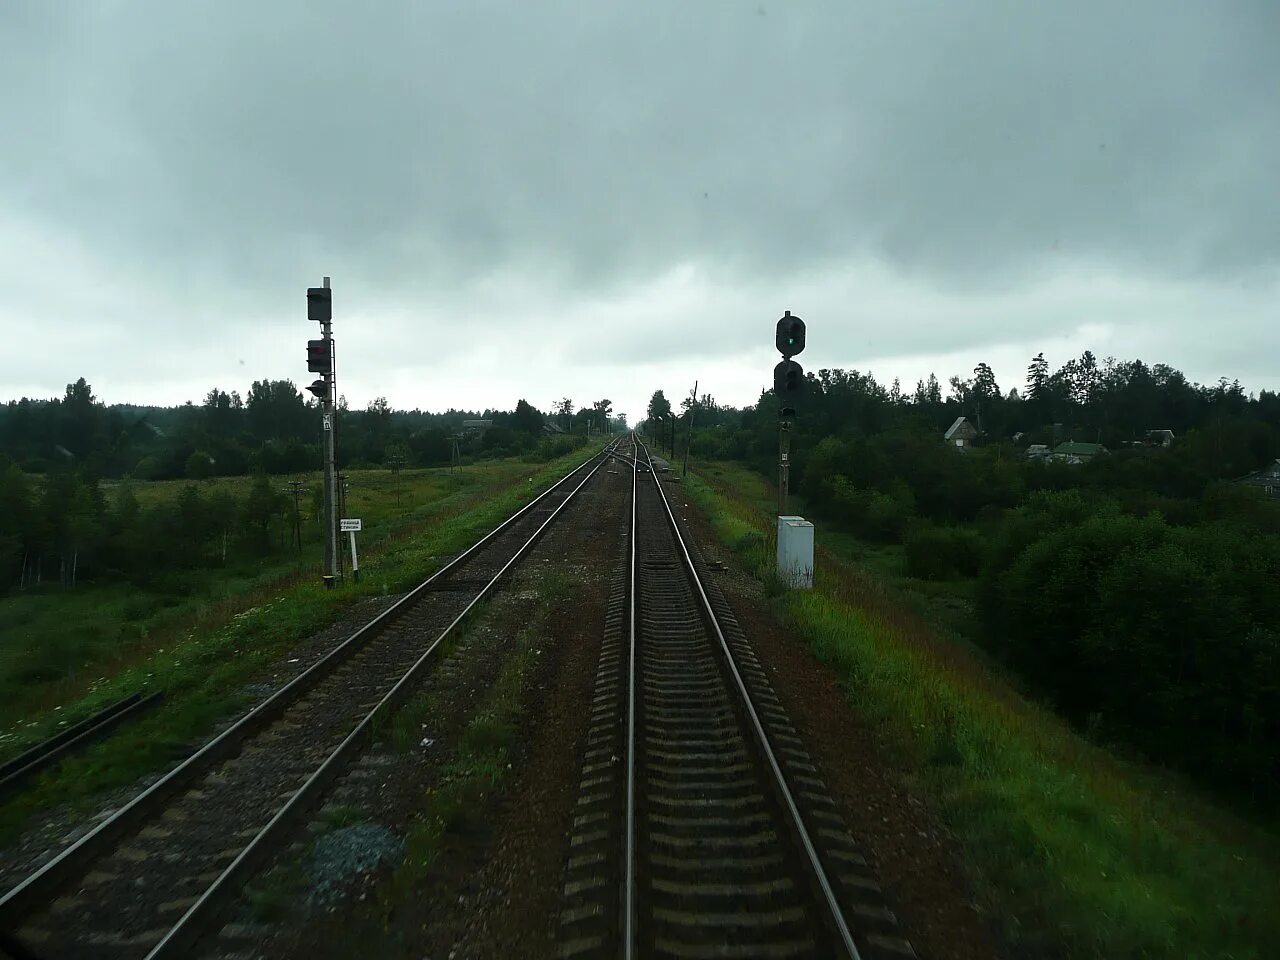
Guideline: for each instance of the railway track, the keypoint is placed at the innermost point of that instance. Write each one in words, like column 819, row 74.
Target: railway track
column 158, row 874
column 47, row 753
column 703, row 827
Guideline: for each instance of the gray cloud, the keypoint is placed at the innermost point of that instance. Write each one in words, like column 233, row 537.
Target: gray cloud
column 193, row 165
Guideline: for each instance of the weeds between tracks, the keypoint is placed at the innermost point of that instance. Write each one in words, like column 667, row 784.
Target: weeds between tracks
column 474, row 763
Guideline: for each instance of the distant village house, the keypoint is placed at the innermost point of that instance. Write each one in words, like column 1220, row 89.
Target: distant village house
column 1073, row 452
column 961, row 434
column 1038, row 451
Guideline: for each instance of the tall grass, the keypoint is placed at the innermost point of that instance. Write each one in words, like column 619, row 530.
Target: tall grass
column 1079, row 853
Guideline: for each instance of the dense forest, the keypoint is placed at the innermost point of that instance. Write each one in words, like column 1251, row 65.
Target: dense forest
column 1135, row 590
column 59, row 528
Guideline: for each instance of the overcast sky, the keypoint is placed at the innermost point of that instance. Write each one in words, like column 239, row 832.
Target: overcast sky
column 595, row 199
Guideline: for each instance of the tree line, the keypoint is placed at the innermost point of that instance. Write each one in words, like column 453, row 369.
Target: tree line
column 62, row 529
column 68, row 466
column 271, row 429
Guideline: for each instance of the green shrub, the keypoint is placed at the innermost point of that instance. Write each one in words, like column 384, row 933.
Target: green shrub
column 940, row 553
column 549, row 448
column 886, row 517
column 1163, row 636
column 874, row 514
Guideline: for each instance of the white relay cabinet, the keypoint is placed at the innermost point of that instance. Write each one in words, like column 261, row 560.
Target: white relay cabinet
column 795, row 552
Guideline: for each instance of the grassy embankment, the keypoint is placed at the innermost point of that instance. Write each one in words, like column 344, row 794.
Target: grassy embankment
column 58, row 643
column 203, row 662
column 1077, row 852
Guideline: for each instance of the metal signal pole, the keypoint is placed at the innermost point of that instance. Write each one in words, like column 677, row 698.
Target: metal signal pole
column 320, row 307
column 330, row 455
column 784, row 466
column 788, row 382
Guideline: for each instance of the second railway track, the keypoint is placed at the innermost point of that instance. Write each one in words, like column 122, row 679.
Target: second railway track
column 155, row 876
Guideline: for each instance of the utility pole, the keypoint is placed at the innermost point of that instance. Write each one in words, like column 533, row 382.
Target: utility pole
column 320, row 360
column 295, row 488
column 395, row 462
column 688, row 433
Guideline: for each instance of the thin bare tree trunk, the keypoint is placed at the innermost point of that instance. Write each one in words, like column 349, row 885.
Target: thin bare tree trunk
column 75, row 561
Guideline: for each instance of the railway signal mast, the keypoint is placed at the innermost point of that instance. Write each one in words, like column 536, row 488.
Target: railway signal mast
column 795, row 534
column 320, row 360
column 788, row 382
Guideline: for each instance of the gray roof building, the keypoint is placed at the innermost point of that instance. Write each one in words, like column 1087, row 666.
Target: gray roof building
column 1072, row 451
column 961, row 434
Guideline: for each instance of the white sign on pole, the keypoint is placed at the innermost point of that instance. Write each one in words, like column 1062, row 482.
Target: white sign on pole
column 349, row 526
column 328, row 423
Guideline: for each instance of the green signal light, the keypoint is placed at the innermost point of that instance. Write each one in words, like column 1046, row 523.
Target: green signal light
column 789, row 335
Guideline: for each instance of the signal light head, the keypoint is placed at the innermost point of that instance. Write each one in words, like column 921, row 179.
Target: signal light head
column 789, row 336
column 788, row 385
column 319, row 304
column 319, row 356
column 320, row 388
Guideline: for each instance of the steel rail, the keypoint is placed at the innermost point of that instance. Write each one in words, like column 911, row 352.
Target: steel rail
column 187, row 930
column 44, row 754
column 41, row 885
column 835, row 915
column 629, row 461
column 629, row 863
